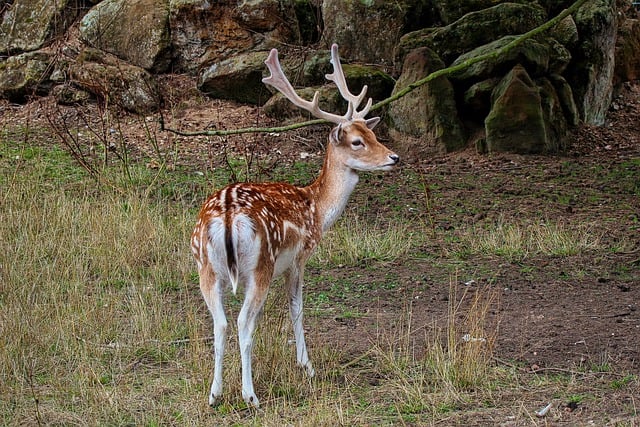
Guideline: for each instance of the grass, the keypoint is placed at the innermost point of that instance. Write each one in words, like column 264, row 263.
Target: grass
column 355, row 241
column 519, row 241
column 103, row 324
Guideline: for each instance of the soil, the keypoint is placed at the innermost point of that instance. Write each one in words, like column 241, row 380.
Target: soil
column 576, row 314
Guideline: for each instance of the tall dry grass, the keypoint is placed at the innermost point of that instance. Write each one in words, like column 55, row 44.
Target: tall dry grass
column 93, row 288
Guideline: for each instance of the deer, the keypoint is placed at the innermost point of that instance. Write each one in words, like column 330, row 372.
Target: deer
column 250, row 233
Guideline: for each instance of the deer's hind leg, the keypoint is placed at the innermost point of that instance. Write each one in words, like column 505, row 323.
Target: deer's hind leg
column 212, row 288
column 256, row 289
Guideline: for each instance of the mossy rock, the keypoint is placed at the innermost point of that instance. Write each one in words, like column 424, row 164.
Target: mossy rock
column 29, row 25
column 136, row 31
column 473, row 30
column 516, row 121
column 24, row 75
column 238, row 78
column 115, row 81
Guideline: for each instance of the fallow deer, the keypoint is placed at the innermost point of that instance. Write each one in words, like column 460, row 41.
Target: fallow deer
column 250, row 233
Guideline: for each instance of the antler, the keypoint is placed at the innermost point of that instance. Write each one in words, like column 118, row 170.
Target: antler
column 278, row 80
column 338, row 78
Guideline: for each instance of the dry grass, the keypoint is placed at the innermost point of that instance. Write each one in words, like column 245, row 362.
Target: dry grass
column 103, row 322
column 83, row 278
column 354, row 241
column 516, row 241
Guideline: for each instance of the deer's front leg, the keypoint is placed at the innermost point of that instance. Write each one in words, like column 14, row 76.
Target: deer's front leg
column 255, row 296
column 294, row 282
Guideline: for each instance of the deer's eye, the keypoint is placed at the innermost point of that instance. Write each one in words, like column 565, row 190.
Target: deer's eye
column 357, row 142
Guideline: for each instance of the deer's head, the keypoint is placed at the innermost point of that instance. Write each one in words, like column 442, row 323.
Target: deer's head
column 352, row 137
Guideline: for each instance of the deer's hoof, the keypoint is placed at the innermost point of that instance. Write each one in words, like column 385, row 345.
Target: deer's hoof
column 310, row 371
column 214, row 400
column 251, row 400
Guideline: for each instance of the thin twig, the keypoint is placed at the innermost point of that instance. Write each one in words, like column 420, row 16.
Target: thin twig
column 117, row 345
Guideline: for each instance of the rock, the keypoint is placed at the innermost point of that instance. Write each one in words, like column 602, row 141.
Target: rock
column 559, row 56
column 307, row 68
column 565, row 96
column 366, row 30
column 516, row 121
column 452, row 10
column 533, row 55
column 67, row 94
column 556, row 127
column 591, row 70
column 115, row 82
column 565, row 32
column 379, row 84
column 426, row 119
column 473, row 30
column 136, row 31
column 24, row 75
column 28, row 25
column 238, row 78
column 204, row 33
column 477, row 99
column 627, row 54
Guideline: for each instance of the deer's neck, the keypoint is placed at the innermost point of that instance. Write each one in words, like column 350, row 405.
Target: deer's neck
column 332, row 188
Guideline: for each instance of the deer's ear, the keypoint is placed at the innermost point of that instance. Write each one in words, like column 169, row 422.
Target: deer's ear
column 372, row 122
column 336, row 134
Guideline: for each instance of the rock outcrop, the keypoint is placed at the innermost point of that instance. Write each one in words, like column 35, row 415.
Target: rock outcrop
column 525, row 100
column 28, row 25
column 115, row 81
column 135, row 31
column 428, row 119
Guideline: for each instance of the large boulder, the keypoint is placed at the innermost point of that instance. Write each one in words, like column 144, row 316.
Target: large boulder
column 238, row 78
column 533, row 55
column 25, row 74
column 136, row 31
column 366, row 31
column 591, row 70
column 203, row 33
column 115, row 82
column 473, row 30
column 527, row 116
column 29, row 25
column 516, row 121
column 425, row 119
column 627, row 56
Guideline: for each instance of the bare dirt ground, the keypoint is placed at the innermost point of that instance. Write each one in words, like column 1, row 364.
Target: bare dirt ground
column 576, row 315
